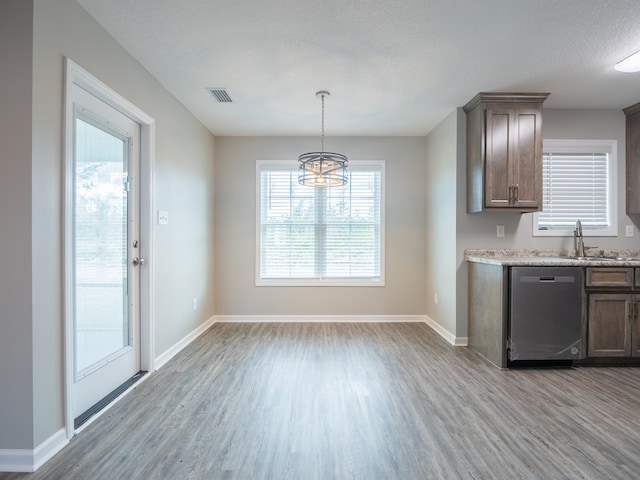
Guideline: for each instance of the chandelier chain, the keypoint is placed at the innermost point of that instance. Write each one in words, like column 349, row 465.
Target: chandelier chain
column 322, row 138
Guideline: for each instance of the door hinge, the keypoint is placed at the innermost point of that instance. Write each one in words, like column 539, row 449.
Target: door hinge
column 127, row 185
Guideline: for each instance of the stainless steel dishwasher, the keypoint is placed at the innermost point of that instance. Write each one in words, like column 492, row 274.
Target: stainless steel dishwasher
column 545, row 314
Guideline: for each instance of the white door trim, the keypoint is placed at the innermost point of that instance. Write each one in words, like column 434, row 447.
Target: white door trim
column 76, row 75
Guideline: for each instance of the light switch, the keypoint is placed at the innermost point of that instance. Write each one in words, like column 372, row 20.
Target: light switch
column 500, row 231
column 629, row 231
column 163, row 218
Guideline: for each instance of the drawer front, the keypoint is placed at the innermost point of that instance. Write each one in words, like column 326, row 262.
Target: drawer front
column 611, row 277
column 637, row 277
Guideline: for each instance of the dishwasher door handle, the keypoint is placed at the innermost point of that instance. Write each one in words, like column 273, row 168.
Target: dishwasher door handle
column 547, row 279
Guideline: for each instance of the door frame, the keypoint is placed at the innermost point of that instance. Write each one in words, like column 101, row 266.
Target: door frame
column 76, row 76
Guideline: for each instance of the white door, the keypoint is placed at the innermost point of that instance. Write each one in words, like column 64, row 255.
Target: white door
column 105, row 243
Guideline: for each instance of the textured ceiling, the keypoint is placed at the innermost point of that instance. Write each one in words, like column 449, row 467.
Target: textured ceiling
column 393, row 67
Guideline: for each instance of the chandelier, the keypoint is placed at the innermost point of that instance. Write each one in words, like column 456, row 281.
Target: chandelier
column 322, row 169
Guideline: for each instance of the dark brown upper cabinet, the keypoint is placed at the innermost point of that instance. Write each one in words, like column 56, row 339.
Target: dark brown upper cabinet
column 633, row 158
column 504, row 152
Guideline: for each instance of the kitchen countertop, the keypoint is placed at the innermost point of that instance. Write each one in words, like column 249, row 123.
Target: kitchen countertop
column 504, row 257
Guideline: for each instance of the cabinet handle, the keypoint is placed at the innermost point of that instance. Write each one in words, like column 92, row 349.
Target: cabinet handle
column 515, row 194
column 510, row 194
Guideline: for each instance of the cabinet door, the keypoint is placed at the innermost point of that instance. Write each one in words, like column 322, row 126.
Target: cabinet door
column 526, row 161
column 498, row 183
column 609, row 325
column 513, row 175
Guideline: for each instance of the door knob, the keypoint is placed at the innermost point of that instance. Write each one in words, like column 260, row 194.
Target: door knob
column 138, row 261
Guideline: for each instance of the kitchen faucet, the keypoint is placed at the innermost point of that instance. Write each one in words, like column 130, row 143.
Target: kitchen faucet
column 579, row 240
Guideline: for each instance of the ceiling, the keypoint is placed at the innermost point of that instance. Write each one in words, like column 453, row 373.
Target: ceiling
column 393, row 67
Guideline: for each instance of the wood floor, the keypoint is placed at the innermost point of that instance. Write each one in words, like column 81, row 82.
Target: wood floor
column 357, row 401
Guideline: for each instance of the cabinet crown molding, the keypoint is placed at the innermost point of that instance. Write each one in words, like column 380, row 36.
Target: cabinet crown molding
column 632, row 109
column 505, row 97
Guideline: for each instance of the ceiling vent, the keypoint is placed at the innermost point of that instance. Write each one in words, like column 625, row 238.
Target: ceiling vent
column 220, row 94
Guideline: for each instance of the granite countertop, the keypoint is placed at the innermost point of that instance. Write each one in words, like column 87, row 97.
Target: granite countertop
column 617, row 258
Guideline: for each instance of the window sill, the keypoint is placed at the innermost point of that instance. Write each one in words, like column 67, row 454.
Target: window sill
column 319, row 283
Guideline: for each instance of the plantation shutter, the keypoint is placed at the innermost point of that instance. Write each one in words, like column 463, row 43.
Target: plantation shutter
column 575, row 187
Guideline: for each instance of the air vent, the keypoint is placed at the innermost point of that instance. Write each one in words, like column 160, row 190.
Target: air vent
column 220, row 94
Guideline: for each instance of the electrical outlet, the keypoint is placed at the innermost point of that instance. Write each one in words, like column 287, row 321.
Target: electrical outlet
column 629, row 231
column 500, row 231
column 195, row 303
column 163, row 218
column 435, row 298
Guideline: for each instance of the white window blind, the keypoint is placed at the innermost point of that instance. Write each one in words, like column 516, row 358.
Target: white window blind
column 319, row 235
column 577, row 184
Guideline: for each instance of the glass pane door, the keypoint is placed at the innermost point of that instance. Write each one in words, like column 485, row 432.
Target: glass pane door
column 100, row 264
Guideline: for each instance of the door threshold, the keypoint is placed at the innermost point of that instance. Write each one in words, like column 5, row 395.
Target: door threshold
column 100, row 405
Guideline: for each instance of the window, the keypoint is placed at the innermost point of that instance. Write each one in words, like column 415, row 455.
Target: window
column 320, row 236
column 578, row 183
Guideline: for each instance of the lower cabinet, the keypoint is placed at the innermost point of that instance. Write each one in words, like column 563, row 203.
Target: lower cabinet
column 611, row 325
column 613, row 311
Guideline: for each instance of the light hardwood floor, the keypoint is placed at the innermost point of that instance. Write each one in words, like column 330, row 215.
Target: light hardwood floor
column 357, row 401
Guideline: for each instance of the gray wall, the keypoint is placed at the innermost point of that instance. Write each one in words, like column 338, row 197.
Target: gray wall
column 235, row 201
column 183, row 185
column 440, row 184
column 16, row 386
column 447, row 230
column 478, row 230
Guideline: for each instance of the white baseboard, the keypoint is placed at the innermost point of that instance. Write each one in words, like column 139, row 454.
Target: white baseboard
column 446, row 334
column 31, row 460
column 439, row 329
column 461, row 342
column 175, row 349
column 319, row 318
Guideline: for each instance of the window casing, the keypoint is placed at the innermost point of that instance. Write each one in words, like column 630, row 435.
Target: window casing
column 319, row 236
column 579, row 183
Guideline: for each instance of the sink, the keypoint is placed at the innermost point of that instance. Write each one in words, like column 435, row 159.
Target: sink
column 596, row 259
column 611, row 259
